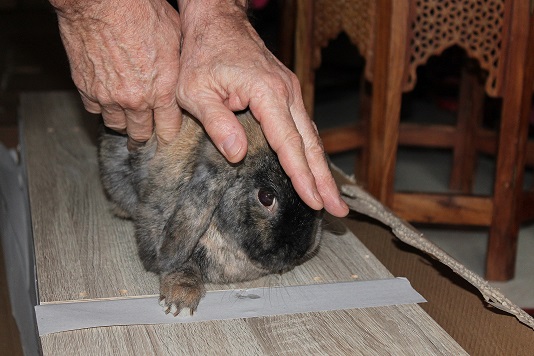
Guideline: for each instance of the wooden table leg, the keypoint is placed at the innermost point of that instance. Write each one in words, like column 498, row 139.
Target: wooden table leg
column 390, row 58
column 470, row 117
column 502, row 246
column 304, row 52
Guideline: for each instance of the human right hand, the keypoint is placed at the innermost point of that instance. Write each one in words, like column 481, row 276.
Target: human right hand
column 124, row 59
column 226, row 67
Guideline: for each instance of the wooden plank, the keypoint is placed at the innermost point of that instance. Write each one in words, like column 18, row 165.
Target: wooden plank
column 215, row 338
column 82, row 251
column 443, row 208
column 366, row 333
column 437, row 136
column 351, row 137
column 342, row 139
column 354, row 332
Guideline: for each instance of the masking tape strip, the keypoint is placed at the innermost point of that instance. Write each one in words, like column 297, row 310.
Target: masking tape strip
column 228, row 304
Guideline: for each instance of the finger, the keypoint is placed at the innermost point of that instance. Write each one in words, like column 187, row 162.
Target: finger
column 224, row 129
column 167, row 121
column 139, row 124
column 285, row 140
column 91, row 106
column 114, row 118
column 133, row 145
column 318, row 164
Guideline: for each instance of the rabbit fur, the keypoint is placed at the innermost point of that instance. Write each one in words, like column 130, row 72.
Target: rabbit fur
column 199, row 218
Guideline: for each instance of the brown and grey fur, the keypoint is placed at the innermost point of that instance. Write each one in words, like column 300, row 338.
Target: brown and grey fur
column 198, row 218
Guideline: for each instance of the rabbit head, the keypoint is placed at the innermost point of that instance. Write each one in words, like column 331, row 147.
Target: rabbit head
column 199, row 218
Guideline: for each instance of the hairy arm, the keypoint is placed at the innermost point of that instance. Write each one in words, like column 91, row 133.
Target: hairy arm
column 124, row 59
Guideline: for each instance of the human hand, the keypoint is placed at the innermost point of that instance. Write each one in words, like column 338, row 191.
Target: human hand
column 225, row 67
column 124, row 58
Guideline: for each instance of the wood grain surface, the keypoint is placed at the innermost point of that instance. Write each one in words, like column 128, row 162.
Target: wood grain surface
column 83, row 251
column 397, row 330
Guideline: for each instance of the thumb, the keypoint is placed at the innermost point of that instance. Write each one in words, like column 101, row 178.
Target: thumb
column 224, row 129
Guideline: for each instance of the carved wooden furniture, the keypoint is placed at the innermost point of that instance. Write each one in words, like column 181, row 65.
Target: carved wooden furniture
column 395, row 37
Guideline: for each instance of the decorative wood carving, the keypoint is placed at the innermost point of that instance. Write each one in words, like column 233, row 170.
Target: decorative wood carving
column 476, row 26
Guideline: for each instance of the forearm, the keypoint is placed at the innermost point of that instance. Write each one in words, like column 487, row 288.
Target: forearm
column 199, row 14
column 101, row 9
column 80, row 7
column 207, row 6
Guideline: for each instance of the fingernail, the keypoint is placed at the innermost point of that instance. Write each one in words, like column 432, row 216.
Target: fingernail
column 133, row 145
column 317, row 197
column 231, row 146
column 343, row 205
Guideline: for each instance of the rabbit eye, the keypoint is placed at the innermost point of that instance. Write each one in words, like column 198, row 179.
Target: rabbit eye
column 266, row 198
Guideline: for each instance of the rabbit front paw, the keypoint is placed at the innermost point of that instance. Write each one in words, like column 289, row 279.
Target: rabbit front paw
column 181, row 290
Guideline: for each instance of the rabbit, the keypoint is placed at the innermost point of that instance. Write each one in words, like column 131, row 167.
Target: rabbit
column 201, row 219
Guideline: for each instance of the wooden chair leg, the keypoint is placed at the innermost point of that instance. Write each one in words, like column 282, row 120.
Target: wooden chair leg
column 304, row 53
column 386, row 99
column 502, row 246
column 286, row 35
column 470, row 117
column 362, row 164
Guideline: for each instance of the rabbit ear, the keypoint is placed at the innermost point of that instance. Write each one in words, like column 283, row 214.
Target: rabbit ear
column 196, row 203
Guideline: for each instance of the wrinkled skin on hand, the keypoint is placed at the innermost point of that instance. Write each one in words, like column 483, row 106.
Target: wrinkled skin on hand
column 226, row 67
column 121, row 69
column 136, row 79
